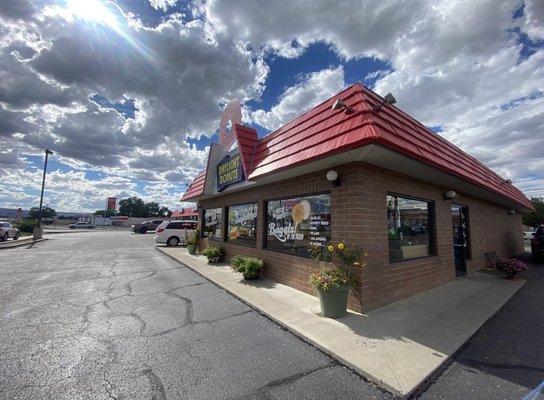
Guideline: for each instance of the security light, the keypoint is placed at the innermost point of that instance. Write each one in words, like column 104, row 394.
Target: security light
column 511, row 212
column 339, row 105
column 450, row 195
column 332, row 177
column 388, row 99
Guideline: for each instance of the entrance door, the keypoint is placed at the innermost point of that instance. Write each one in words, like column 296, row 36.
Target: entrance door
column 459, row 218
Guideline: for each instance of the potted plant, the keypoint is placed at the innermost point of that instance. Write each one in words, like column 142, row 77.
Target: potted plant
column 192, row 241
column 250, row 267
column 511, row 267
column 333, row 283
column 214, row 254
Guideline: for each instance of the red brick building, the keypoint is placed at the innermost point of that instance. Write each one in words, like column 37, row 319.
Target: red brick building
column 363, row 172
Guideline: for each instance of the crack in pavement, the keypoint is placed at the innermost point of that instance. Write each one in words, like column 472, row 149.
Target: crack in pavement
column 157, row 388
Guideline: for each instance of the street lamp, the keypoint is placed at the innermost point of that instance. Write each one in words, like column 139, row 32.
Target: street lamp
column 47, row 152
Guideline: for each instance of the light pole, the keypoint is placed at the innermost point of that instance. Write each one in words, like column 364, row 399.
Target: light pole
column 47, row 152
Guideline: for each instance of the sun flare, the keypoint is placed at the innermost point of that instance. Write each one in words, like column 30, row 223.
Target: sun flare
column 92, row 11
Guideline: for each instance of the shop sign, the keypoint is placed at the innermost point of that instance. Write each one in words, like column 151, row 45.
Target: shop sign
column 229, row 171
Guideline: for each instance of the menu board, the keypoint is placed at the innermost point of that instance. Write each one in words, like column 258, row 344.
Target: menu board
column 295, row 225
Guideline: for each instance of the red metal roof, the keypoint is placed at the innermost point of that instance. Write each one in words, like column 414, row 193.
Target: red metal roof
column 320, row 133
column 185, row 212
column 196, row 188
column 247, row 142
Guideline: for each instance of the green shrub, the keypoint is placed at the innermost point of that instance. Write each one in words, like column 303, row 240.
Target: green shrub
column 27, row 225
column 248, row 266
column 237, row 262
column 213, row 253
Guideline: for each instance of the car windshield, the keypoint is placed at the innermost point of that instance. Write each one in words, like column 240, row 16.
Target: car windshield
column 163, row 224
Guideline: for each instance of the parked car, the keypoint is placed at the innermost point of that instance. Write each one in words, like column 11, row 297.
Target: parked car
column 78, row 225
column 144, row 227
column 528, row 235
column 172, row 233
column 7, row 231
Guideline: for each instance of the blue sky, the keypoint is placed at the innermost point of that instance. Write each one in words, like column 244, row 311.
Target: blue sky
column 128, row 94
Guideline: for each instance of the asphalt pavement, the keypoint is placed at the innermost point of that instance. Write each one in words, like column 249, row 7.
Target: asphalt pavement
column 103, row 315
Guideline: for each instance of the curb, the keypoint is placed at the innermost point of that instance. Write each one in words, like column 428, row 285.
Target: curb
column 20, row 243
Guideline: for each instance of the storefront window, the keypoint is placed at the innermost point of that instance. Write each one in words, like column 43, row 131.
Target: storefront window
column 242, row 224
column 410, row 228
column 212, row 223
column 298, row 224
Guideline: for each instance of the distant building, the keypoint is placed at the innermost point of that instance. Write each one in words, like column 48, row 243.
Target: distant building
column 186, row 214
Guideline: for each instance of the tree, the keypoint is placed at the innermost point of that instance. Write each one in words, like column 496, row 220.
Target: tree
column 153, row 209
column 47, row 212
column 133, row 207
column 105, row 213
column 165, row 212
column 535, row 218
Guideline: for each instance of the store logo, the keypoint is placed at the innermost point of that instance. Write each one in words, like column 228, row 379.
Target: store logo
column 229, row 171
column 284, row 233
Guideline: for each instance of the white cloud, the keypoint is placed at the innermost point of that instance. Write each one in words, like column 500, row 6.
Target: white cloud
column 313, row 89
column 163, row 5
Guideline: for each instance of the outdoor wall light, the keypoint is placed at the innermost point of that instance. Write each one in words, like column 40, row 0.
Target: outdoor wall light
column 511, row 212
column 388, row 99
column 332, row 177
column 450, row 195
column 340, row 105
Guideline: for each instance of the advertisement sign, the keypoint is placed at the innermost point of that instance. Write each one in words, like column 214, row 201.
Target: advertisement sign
column 229, row 171
column 299, row 224
column 111, row 203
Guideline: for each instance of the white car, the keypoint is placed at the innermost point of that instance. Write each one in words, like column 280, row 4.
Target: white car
column 7, row 231
column 85, row 225
column 528, row 235
column 172, row 233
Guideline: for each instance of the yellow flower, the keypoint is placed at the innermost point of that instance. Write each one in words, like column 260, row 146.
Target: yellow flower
column 356, row 263
column 340, row 246
column 330, row 248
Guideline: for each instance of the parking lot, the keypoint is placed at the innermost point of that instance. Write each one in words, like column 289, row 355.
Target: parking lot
column 102, row 314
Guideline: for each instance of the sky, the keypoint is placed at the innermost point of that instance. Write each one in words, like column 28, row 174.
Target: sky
column 128, row 94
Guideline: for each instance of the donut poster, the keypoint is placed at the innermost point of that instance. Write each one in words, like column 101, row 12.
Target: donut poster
column 296, row 224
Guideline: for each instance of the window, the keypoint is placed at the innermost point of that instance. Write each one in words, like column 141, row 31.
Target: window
column 410, row 228
column 298, row 224
column 242, row 224
column 212, row 223
column 175, row 225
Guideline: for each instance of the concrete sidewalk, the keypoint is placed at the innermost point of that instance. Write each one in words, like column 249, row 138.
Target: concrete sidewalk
column 11, row 244
column 397, row 346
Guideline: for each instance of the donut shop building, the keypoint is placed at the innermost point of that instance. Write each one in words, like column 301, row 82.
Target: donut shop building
column 359, row 170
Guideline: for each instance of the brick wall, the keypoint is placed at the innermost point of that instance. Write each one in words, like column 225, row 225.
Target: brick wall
column 358, row 212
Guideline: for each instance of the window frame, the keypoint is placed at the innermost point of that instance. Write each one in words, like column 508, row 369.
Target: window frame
column 221, row 234
column 431, row 209
column 226, row 230
column 265, row 220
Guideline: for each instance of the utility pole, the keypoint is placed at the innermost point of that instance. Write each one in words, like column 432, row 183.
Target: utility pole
column 47, row 152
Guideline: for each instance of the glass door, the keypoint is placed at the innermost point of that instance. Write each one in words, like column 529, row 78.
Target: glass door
column 461, row 249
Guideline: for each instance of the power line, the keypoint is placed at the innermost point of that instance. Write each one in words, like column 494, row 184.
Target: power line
column 529, row 190
column 528, row 180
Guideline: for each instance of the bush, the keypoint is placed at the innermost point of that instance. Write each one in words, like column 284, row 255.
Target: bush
column 27, row 225
column 193, row 237
column 248, row 266
column 214, row 254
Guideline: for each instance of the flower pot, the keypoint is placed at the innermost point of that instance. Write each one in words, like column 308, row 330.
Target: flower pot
column 191, row 248
column 334, row 302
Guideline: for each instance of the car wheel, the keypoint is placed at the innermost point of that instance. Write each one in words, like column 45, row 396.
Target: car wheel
column 5, row 238
column 72, row 227
column 91, row 227
column 143, row 230
column 16, row 237
column 172, row 241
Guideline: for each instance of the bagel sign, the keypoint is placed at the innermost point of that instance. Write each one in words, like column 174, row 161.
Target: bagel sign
column 229, row 171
